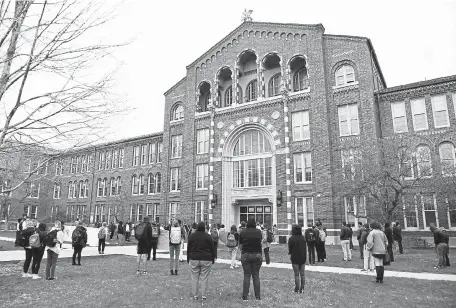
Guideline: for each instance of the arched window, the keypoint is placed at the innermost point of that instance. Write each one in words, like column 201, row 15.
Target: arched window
column 81, row 189
column 105, row 187
column 229, row 96
column 447, row 158
column 423, row 161
column 118, row 184
column 151, row 183
column 251, row 92
column 345, row 75
column 300, row 80
column 86, row 188
column 99, row 188
column 178, row 112
column 158, row 182
column 274, row 85
column 142, row 187
column 251, row 171
column 70, row 190
column 113, row 186
column 134, row 185
column 207, row 99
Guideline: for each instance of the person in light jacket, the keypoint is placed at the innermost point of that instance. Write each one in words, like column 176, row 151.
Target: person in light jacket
column 377, row 244
column 264, row 243
column 53, row 252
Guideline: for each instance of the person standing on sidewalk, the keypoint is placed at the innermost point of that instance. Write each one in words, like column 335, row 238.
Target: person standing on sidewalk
column 358, row 237
column 297, row 252
column 200, row 257
column 397, row 237
column 53, row 241
column 377, row 244
column 345, row 241
column 311, row 236
column 368, row 262
column 265, row 245
column 251, row 259
column 78, row 241
column 102, row 235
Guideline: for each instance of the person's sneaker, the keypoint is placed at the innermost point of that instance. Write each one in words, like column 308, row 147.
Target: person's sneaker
column 296, row 290
column 349, row 259
column 99, row 252
column 74, row 263
column 203, row 298
column 35, row 276
column 363, row 270
column 144, row 273
column 79, row 264
column 154, row 259
column 172, row 272
column 138, row 272
column 26, row 275
column 301, row 290
column 175, row 272
column 258, row 298
column 236, row 266
column 231, row 267
column 244, row 298
column 195, row 298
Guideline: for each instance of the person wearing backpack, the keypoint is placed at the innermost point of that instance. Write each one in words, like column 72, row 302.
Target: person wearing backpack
column 297, row 252
column 53, row 239
column 143, row 234
column 321, row 250
column 200, row 257
column 27, row 230
column 154, row 241
column 232, row 242
column 311, row 236
column 37, row 249
column 102, row 235
column 78, row 241
column 215, row 239
column 176, row 235
column 265, row 245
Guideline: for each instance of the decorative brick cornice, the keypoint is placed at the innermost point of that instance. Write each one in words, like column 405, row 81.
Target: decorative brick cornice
column 346, row 89
column 249, row 106
column 418, row 89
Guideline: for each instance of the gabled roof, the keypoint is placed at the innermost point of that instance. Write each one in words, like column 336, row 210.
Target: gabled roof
column 175, row 85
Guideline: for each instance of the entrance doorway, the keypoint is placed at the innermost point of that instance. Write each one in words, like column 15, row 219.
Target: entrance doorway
column 261, row 214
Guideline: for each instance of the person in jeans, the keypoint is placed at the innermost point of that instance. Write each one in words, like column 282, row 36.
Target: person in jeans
column 377, row 244
column 176, row 236
column 79, row 241
column 297, row 252
column 38, row 252
column 53, row 252
column 345, row 242
column 102, row 235
column 155, row 234
column 233, row 247
column 441, row 247
column 264, row 243
column 28, row 228
column 358, row 237
column 311, row 236
column 120, row 232
column 397, row 236
column 200, row 257
column 251, row 257
column 368, row 262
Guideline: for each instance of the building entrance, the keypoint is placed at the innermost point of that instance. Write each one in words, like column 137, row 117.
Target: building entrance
column 261, row 214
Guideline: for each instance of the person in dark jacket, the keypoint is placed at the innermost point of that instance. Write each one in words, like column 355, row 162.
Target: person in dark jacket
column 297, row 252
column 389, row 235
column 397, row 237
column 79, row 241
column 144, row 245
column 350, row 234
column 251, row 257
column 446, row 240
column 155, row 235
column 345, row 241
column 120, row 232
column 358, row 237
column 311, row 236
column 441, row 247
column 200, row 257
column 112, row 229
column 37, row 253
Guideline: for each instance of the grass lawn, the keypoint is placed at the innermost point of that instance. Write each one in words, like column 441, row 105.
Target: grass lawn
column 111, row 281
column 413, row 260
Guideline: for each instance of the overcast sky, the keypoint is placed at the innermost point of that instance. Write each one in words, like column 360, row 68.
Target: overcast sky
column 414, row 41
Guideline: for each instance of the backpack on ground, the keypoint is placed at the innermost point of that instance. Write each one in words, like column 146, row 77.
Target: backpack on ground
column 155, row 231
column 310, row 236
column 269, row 236
column 139, row 232
column 231, row 241
column 322, row 235
column 102, row 233
column 214, row 235
column 77, row 236
column 49, row 238
column 175, row 235
column 34, row 240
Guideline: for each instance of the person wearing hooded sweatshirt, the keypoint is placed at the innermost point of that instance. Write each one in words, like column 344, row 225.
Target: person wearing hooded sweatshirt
column 38, row 252
column 377, row 244
column 200, row 257
column 79, row 241
column 251, row 257
column 28, row 228
column 297, row 252
column 53, row 252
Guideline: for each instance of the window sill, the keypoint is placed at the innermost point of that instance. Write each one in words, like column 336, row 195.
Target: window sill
column 176, row 121
column 346, row 85
column 201, row 189
column 300, row 92
column 303, row 183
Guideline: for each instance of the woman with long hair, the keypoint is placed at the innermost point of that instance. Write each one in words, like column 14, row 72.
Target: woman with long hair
column 377, row 244
column 232, row 242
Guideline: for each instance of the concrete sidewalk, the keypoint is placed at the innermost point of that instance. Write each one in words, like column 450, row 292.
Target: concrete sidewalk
column 67, row 252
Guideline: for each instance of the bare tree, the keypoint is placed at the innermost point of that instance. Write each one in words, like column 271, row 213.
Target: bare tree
column 52, row 96
column 402, row 169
